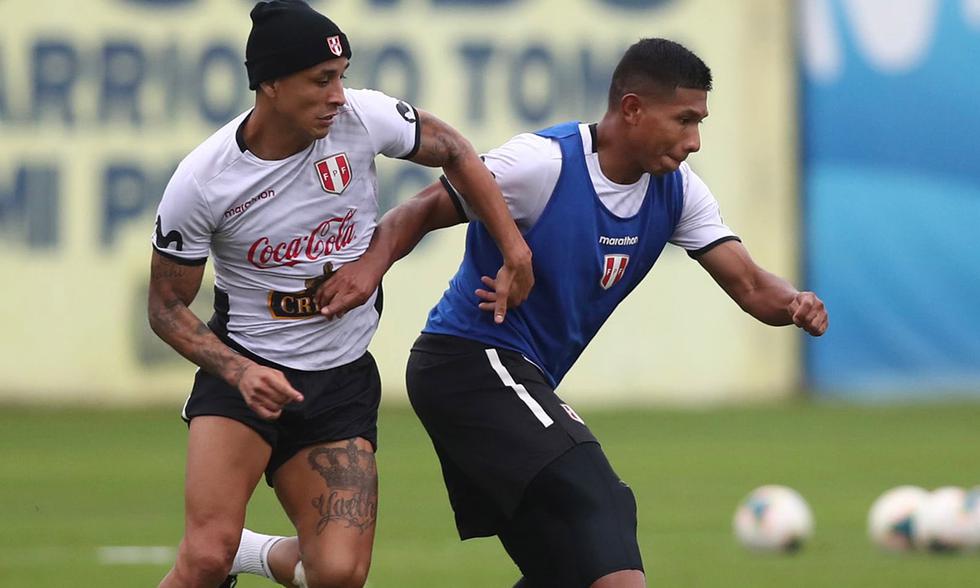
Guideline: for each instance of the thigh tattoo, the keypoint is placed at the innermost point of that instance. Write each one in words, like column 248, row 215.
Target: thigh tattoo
column 351, row 476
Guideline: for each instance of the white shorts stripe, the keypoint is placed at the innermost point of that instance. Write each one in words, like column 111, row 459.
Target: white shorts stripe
column 521, row 391
column 183, row 409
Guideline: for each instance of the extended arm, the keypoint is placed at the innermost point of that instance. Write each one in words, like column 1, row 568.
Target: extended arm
column 763, row 295
column 443, row 146
column 172, row 289
column 401, row 229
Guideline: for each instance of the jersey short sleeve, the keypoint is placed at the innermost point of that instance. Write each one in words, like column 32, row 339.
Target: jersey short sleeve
column 392, row 124
column 184, row 222
column 526, row 168
column 700, row 227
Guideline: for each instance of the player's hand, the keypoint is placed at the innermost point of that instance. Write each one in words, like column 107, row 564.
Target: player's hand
column 510, row 288
column 349, row 287
column 809, row 313
column 266, row 390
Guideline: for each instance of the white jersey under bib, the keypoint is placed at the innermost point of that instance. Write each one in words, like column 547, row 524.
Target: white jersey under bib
column 527, row 168
column 276, row 229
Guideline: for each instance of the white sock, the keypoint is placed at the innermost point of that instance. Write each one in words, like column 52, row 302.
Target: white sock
column 253, row 554
column 299, row 576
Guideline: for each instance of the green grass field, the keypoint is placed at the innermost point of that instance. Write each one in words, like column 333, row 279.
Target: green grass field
column 72, row 481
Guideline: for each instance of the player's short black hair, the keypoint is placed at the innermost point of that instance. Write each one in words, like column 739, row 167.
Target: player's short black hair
column 660, row 63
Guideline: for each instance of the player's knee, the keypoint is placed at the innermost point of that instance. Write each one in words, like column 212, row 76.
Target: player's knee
column 209, row 557
column 206, row 565
column 337, row 572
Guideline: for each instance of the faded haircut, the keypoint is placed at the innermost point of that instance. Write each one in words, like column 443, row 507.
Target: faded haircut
column 657, row 65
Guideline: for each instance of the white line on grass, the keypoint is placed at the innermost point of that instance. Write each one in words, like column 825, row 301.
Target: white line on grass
column 128, row 555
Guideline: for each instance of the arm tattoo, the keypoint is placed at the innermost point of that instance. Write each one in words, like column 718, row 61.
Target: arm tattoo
column 440, row 143
column 172, row 287
column 239, row 372
column 351, row 476
column 171, row 271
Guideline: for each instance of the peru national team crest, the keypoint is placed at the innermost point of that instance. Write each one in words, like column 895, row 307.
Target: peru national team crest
column 613, row 268
column 334, row 173
column 335, row 45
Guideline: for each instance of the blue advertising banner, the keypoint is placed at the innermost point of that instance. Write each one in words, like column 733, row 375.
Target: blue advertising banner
column 891, row 175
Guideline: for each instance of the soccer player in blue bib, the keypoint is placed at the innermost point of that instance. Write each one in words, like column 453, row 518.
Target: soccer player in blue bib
column 596, row 203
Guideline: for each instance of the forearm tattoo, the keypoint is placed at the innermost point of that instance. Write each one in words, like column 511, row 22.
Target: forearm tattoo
column 193, row 339
column 170, row 271
column 172, row 287
column 351, row 477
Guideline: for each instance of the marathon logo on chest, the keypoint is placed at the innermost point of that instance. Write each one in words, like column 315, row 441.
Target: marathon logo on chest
column 613, row 268
column 618, row 241
column 240, row 208
column 334, row 173
column 302, row 304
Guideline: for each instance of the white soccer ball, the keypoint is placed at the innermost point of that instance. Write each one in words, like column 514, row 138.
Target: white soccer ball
column 942, row 522
column 773, row 518
column 890, row 519
column 972, row 507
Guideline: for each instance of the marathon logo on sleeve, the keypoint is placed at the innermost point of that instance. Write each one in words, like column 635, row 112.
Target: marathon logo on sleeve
column 302, row 304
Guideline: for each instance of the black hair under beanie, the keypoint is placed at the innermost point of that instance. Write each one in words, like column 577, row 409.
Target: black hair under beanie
column 288, row 36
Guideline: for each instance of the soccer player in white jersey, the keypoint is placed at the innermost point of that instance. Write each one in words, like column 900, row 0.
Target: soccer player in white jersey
column 597, row 204
column 282, row 198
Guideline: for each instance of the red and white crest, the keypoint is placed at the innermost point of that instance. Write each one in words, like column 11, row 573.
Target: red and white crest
column 336, row 47
column 334, row 173
column 613, row 268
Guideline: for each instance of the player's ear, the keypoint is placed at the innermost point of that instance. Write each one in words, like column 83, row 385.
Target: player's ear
column 631, row 107
column 269, row 88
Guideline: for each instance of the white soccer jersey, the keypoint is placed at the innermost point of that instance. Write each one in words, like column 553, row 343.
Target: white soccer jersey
column 275, row 229
column 527, row 168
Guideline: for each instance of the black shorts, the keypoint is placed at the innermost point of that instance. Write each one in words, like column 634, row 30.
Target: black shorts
column 494, row 421
column 576, row 524
column 338, row 403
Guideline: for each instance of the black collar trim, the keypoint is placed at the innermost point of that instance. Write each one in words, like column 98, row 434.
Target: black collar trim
column 240, row 134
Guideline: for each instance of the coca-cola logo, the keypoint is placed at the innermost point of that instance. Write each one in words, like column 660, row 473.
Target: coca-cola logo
column 328, row 237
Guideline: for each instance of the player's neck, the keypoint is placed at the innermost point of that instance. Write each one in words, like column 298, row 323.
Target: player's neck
column 615, row 160
column 269, row 137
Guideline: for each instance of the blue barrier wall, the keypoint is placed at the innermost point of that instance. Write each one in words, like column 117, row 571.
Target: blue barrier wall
column 891, row 148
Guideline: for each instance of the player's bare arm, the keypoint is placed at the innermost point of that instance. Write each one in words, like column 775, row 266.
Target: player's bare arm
column 173, row 287
column 396, row 235
column 443, row 146
column 401, row 228
column 765, row 296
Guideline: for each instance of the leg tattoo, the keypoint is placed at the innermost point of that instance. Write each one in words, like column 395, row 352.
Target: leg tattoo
column 351, row 476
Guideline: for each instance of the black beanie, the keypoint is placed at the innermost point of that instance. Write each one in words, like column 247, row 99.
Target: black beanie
column 288, row 36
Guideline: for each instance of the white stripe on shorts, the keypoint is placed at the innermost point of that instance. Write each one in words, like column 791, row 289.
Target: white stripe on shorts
column 183, row 410
column 521, row 391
